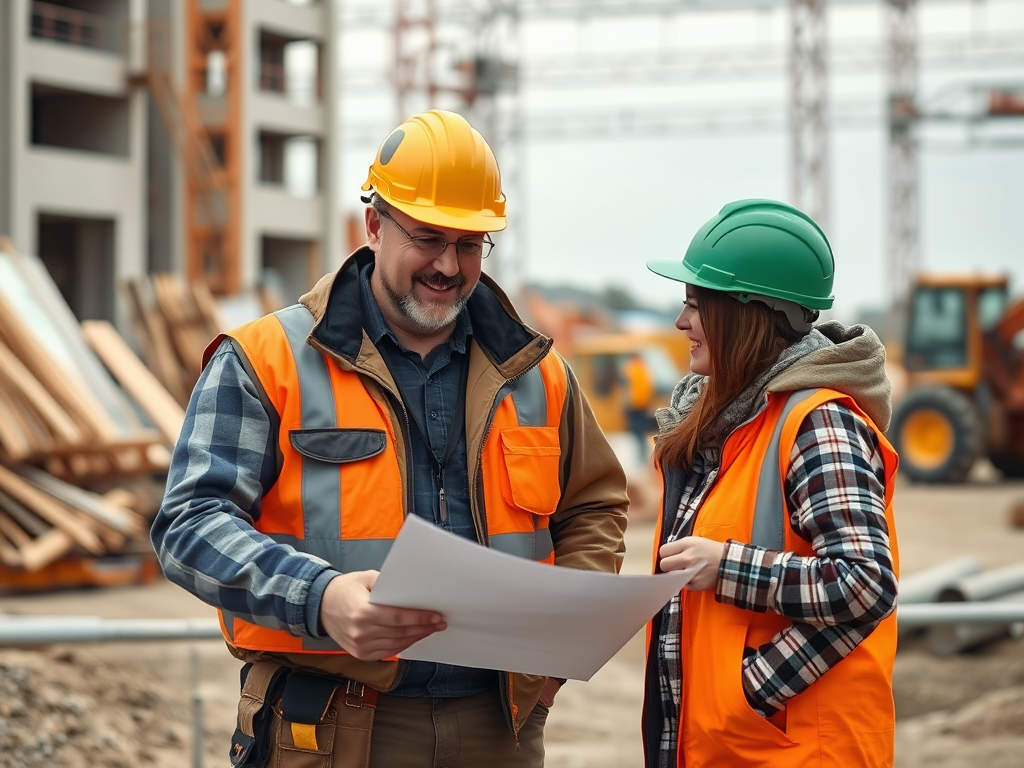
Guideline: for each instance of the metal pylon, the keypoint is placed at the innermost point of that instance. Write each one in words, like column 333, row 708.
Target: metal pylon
column 808, row 109
column 903, row 205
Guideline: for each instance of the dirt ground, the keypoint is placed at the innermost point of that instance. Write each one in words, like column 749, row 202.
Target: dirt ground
column 126, row 705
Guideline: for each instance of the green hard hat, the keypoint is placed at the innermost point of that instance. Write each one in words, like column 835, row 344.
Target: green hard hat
column 755, row 249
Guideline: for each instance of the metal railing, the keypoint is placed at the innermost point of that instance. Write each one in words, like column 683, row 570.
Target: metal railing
column 68, row 25
column 272, row 77
column 42, row 630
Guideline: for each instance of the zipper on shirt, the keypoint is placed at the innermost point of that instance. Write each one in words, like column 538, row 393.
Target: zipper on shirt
column 440, row 498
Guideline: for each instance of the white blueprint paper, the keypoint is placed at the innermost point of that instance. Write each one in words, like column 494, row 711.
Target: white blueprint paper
column 509, row 613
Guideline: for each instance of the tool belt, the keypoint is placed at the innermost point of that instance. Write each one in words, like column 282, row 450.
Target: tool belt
column 293, row 719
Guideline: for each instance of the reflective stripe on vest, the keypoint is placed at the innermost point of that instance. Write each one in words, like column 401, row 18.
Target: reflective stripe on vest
column 531, row 405
column 533, row 401
column 769, row 509
column 847, row 716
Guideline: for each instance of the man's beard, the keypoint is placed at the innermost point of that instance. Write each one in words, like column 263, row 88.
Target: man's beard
column 428, row 316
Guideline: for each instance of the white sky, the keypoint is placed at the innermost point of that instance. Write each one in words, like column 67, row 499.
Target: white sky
column 592, row 211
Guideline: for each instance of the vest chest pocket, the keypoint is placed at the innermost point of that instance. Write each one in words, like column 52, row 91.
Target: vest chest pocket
column 532, row 465
column 338, row 446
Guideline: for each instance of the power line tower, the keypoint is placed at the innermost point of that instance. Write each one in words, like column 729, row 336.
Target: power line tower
column 808, row 109
column 414, row 68
column 465, row 57
column 903, row 205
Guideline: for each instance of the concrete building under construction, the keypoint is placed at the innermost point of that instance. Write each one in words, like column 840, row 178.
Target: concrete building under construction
column 193, row 136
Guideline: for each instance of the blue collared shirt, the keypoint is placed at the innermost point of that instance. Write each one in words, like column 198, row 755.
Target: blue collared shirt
column 431, row 386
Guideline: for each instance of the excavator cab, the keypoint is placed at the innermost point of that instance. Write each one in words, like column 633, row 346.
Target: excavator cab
column 962, row 369
column 945, row 327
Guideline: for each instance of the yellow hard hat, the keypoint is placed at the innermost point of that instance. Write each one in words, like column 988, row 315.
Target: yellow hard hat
column 438, row 169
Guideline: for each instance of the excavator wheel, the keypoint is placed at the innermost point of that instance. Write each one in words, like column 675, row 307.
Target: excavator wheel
column 938, row 434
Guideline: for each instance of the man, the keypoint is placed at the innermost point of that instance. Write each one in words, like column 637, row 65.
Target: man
column 639, row 396
column 403, row 383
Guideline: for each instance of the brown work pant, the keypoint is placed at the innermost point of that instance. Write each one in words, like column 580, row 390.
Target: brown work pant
column 468, row 732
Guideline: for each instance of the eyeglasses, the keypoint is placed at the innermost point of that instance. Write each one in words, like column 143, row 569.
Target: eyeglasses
column 434, row 245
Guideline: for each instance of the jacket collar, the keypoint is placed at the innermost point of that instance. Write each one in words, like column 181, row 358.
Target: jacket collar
column 336, row 306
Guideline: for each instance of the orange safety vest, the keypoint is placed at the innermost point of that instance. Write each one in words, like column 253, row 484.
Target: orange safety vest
column 640, row 384
column 340, row 493
column 847, row 716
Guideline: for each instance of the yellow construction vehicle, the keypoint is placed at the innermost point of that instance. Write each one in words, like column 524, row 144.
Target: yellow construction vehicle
column 964, row 358
column 599, row 361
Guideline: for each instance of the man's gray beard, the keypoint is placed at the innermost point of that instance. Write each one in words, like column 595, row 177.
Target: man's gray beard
column 421, row 319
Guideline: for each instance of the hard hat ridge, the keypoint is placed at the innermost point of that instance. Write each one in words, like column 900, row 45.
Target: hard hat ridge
column 438, row 169
column 759, row 250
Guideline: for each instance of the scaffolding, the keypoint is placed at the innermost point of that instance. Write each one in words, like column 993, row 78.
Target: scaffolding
column 805, row 118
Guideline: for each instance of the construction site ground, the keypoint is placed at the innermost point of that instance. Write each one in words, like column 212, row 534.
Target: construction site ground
column 129, row 705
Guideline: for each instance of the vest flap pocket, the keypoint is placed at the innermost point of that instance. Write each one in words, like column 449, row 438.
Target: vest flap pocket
column 532, row 459
column 338, row 446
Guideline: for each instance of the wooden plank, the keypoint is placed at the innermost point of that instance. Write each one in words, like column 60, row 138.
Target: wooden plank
column 9, row 554
column 154, row 399
column 92, row 504
column 50, row 510
column 122, row 497
column 13, row 532
column 124, row 457
column 22, row 516
column 48, row 548
column 73, row 397
column 33, row 424
column 207, row 306
column 16, row 437
column 28, row 387
column 188, row 327
column 72, row 351
column 154, row 338
column 32, row 553
column 113, row 541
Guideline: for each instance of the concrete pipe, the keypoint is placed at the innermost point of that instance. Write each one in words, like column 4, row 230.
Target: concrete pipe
column 986, row 585
column 984, row 612
column 948, row 639
column 925, row 586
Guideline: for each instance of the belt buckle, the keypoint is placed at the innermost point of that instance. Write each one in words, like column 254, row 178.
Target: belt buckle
column 352, row 697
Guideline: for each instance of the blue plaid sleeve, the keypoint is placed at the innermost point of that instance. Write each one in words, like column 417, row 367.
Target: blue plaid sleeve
column 203, row 534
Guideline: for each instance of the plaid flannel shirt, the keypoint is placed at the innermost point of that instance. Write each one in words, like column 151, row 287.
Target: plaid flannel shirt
column 836, row 495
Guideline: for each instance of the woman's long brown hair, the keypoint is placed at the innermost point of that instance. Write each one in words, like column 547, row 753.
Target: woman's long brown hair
column 742, row 340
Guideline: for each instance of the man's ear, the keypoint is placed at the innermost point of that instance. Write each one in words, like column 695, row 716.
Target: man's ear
column 371, row 221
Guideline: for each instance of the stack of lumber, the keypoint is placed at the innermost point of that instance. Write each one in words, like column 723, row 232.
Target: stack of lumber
column 43, row 519
column 174, row 322
column 77, row 429
column 59, row 407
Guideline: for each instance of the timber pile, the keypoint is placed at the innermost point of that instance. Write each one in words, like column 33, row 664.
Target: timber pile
column 174, row 321
column 80, row 417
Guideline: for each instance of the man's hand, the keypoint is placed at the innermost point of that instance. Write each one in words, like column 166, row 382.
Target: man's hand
column 371, row 632
column 693, row 551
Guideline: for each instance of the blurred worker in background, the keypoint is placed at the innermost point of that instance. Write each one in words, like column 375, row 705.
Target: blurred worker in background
column 639, row 399
column 404, row 383
column 778, row 490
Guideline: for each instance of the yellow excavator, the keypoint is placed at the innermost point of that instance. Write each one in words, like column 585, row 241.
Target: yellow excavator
column 599, row 363
column 964, row 358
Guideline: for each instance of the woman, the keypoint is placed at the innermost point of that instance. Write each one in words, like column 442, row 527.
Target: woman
column 778, row 490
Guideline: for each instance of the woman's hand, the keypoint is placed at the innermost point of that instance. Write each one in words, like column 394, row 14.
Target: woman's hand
column 694, row 552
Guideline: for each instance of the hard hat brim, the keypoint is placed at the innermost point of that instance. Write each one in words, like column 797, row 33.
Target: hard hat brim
column 451, row 218
column 677, row 270
column 674, row 269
